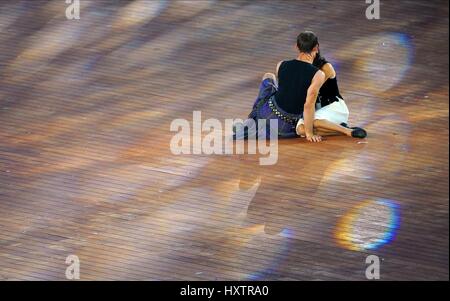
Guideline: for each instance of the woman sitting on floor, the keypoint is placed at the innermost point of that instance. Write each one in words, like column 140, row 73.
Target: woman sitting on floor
column 331, row 105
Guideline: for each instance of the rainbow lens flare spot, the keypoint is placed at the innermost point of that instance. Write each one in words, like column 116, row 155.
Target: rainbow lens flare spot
column 369, row 225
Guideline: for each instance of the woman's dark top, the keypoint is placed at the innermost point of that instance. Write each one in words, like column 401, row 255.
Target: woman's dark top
column 329, row 92
column 294, row 79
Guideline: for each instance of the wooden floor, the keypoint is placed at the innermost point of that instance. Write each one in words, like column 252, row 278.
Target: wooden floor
column 86, row 168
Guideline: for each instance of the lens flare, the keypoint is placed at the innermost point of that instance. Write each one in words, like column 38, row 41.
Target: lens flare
column 387, row 61
column 369, row 225
column 378, row 62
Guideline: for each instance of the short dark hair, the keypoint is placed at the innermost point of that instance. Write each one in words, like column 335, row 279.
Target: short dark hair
column 306, row 41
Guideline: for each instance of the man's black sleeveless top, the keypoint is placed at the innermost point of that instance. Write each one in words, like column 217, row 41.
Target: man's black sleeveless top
column 294, row 79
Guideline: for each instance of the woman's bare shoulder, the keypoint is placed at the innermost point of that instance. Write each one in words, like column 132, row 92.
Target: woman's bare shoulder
column 329, row 71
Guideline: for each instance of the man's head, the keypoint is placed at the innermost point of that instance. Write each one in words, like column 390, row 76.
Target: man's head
column 307, row 42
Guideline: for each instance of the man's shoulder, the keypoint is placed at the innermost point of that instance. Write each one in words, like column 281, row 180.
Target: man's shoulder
column 296, row 64
column 288, row 61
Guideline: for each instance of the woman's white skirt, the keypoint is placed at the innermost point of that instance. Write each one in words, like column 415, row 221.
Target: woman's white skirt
column 336, row 112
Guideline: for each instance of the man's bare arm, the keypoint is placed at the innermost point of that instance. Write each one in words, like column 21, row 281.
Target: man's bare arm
column 310, row 105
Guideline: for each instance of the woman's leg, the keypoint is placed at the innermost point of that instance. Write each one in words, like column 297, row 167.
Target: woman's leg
column 323, row 133
column 324, row 127
column 327, row 126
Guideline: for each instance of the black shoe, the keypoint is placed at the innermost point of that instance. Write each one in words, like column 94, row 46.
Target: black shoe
column 358, row 132
column 344, row 125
